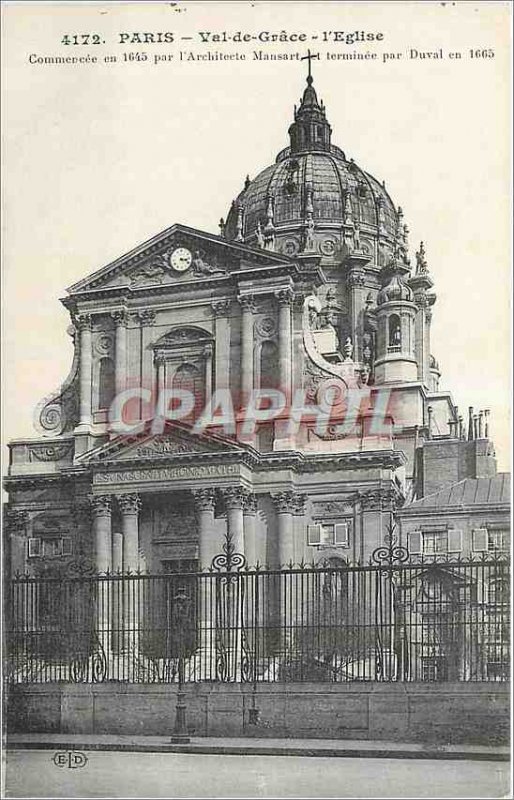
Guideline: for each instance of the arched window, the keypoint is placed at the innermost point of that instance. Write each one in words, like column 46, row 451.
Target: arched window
column 190, row 379
column 106, row 384
column 269, row 367
column 395, row 331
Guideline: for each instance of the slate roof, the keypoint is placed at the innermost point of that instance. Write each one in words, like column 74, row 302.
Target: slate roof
column 468, row 492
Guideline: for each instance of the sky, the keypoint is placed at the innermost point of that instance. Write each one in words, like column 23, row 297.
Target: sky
column 100, row 157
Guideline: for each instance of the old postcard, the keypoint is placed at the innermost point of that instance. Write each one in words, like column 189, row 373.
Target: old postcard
column 256, row 304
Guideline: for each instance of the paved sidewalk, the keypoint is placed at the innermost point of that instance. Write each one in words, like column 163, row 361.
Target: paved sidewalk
column 342, row 748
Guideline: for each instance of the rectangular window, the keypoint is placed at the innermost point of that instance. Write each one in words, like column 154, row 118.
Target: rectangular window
column 52, row 548
column 35, row 549
column 435, row 542
column 434, row 668
column 497, row 540
column 329, row 534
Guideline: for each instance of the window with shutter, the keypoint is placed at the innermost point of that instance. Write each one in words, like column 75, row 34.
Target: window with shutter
column 35, row 548
column 66, row 546
column 415, row 543
column 480, row 543
column 52, row 548
column 342, row 534
column 454, row 541
column 314, row 534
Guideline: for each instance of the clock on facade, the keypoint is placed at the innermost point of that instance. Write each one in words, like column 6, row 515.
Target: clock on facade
column 181, row 259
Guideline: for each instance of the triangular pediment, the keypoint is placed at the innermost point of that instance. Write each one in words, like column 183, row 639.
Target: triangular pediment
column 177, row 440
column 175, row 256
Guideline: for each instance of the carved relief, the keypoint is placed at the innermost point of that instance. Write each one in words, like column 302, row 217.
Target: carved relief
column 285, row 296
column 234, row 496
column 103, row 344
column 378, row 500
column 221, row 308
column 202, row 267
column 59, row 412
column 160, row 446
column 55, row 452
column 331, row 508
column 147, row 275
column 101, row 505
column 266, row 327
column 328, row 246
column 205, row 499
column 16, row 520
column 291, row 247
column 289, row 502
column 250, row 503
column 145, row 317
column 129, row 504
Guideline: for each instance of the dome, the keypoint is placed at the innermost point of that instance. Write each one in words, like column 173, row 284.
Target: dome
column 395, row 291
column 311, row 183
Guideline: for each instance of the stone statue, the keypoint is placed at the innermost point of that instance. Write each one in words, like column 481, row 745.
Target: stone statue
column 201, row 267
column 260, row 236
column 348, row 349
column 309, row 235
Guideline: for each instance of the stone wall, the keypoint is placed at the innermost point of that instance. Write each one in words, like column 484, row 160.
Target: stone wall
column 438, row 713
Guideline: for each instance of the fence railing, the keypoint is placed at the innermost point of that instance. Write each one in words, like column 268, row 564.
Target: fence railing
column 434, row 620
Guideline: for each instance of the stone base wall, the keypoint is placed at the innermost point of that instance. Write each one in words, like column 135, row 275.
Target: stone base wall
column 439, row 713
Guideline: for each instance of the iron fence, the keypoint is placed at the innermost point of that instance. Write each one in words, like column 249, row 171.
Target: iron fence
column 432, row 620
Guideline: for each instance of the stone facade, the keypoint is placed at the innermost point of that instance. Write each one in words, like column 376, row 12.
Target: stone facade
column 308, row 289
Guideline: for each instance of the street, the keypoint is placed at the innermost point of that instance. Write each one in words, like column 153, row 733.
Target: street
column 32, row 773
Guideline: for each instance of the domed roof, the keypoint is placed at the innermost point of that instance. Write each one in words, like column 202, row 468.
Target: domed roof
column 395, row 291
column 313, row 182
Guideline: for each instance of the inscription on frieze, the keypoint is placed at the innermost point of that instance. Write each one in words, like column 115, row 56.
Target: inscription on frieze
column 166, row 474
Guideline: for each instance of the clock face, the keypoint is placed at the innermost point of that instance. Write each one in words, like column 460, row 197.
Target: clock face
column 181, row 259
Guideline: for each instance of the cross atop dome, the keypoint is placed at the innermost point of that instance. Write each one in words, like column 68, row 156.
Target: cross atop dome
column 310, row 56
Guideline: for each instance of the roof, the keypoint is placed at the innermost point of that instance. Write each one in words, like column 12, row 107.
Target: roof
column 468, row 492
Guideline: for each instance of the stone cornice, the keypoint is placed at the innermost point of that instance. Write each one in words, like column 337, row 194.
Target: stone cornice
column 441, row 511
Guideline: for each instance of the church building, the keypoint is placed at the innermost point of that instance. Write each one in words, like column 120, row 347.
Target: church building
column 307, row 291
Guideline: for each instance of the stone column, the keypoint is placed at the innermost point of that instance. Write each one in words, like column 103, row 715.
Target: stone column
column 285, row 299
column 254, row 592
column 299, row 527
column 101, row 510
column 130, row 505
column 221, row 310
column 146, row 320
column 234, row 499
column 117, row 593
column 247, row 372
column 232, row 624
column 208, row 547
column 101, row 513
column 355, row 282
column 249, row 514
column 83, row 322
column 208, row 372
column 120, row 349
column 376, row 604
column 285, row 504
column 160, row 362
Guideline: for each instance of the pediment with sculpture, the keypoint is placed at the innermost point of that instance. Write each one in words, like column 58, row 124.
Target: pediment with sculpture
column 177, row 440
column 177, row 255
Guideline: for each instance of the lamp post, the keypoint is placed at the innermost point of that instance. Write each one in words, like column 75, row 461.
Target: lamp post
column 179, row 735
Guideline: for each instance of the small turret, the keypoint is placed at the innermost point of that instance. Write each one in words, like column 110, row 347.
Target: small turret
column 310, row 129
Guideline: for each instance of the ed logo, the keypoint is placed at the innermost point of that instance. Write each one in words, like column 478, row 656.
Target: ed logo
column 72, row 759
